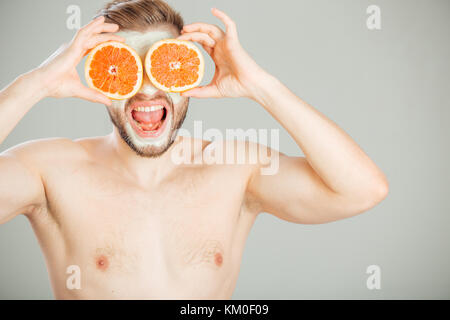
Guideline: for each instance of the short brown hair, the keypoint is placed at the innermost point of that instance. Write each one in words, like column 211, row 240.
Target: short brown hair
column 137, row 15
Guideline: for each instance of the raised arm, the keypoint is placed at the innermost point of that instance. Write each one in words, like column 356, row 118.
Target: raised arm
column 335, row 180
column 21, row 189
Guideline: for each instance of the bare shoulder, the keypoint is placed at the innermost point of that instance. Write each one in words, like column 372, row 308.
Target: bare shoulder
column 241, row 155
column 240, row 152
column 206, row 152
column 238, row 159
column 43, row 151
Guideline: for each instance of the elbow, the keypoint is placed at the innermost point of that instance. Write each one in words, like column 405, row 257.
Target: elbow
column 376, row 192
column 368, row 197
column 382, row 190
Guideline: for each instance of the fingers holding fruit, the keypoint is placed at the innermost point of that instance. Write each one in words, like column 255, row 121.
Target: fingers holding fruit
column 232, row 63
column 93, row 34
column 59, row 70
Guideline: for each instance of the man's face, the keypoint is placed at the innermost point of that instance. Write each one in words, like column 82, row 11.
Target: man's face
column 149, row 121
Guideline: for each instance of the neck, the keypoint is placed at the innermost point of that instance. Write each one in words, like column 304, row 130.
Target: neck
column 143, row 169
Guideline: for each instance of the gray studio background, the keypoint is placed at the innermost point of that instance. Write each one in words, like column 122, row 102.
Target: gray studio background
column 389, row 89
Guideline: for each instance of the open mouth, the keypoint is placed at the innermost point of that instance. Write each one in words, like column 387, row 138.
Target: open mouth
column 149, row 118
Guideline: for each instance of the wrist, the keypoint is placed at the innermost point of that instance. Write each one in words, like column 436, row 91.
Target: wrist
column 262, row 86
column 34, row 85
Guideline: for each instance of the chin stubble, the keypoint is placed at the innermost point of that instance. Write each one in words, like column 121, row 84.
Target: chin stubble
column 156, row 151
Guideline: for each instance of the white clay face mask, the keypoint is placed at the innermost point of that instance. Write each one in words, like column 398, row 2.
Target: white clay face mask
column 141, row 43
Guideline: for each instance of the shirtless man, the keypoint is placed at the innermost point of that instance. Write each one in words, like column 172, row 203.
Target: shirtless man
column 140, row 226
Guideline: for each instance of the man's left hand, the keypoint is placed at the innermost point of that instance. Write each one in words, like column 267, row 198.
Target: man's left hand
column 236, row 74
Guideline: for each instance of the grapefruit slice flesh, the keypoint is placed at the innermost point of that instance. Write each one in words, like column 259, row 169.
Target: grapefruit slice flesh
column 174, row 65
column 114, row 69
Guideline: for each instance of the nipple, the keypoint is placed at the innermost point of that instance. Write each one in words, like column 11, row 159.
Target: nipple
column 218, row 259
column 102, row 263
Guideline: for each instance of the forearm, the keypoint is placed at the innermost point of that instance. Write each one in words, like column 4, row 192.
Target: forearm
column 17, row 99
column 334, row 156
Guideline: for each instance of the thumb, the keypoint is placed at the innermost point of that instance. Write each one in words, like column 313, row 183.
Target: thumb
column 92, row 95
column 209, row 91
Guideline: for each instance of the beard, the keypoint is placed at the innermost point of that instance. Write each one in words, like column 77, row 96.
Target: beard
column 149, row 147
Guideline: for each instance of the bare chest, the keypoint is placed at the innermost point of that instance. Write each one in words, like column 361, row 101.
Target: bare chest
column 179, row 232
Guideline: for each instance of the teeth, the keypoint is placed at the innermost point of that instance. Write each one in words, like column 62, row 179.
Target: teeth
column 149, row 109
column 154, row 108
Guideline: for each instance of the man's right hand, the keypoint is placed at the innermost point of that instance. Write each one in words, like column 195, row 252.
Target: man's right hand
column 21, row 187
column 58, row 73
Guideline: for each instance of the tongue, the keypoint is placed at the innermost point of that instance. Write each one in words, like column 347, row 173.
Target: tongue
column 148, row 117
